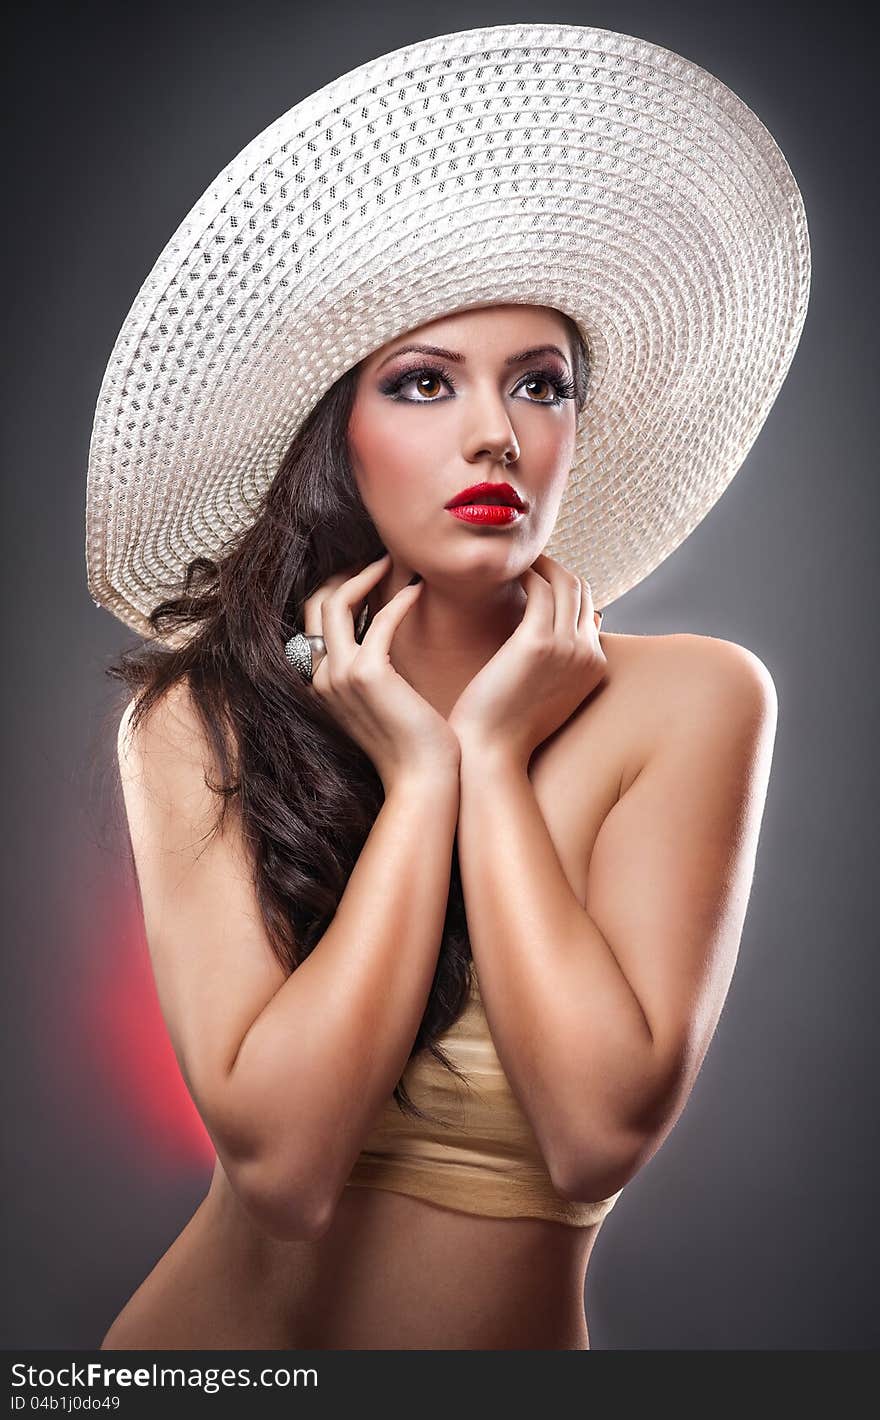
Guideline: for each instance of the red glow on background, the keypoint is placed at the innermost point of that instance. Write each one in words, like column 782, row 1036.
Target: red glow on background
column 122, row 1033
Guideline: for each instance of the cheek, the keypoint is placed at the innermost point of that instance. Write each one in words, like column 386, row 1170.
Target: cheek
column 551, row 452
column 389, row 455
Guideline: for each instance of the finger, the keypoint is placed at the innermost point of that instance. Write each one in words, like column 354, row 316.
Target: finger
column 380, row 633
column 587, row 611
column 361, row 583
column 312, row 605
column 338, row 610
column 567, row 594
column 540, row 604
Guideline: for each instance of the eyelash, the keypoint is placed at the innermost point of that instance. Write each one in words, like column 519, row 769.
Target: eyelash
column 564, row 387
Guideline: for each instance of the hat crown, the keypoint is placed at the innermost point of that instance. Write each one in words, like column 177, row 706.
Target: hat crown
column 543, row 164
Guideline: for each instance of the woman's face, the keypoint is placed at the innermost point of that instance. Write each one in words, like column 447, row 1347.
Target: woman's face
column 488, row 404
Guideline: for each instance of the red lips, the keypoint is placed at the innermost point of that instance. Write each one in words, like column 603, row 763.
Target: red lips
column 487, row 494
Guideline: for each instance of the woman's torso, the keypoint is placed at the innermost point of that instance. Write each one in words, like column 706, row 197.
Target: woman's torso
column 393, row 1271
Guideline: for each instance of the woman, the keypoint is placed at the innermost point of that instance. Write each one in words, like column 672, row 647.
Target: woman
column 443, row 906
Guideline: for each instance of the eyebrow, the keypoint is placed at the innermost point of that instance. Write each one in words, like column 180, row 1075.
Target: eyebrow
column 458, row 359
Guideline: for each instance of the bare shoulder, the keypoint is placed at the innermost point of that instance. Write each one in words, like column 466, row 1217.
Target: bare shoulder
column 169, row 736
column 172, row 723
column 167, row 757
column 685, row 653
column 681, row 684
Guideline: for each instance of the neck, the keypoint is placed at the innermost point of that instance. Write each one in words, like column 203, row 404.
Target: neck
column 452, row 631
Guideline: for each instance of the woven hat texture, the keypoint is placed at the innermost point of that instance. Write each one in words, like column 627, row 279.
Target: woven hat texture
column 553, row 165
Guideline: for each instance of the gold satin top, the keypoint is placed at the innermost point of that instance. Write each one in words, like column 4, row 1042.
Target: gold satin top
column 486, row 1159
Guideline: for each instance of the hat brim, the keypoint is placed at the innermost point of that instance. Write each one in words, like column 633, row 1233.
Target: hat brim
column 552, row 165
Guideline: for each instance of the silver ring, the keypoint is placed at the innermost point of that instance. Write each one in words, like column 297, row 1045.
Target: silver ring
column 305, row 653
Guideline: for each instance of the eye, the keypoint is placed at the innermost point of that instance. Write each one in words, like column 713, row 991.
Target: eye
column 561, row 385
column 426, row 374
column 432, row 375
column 539, row 380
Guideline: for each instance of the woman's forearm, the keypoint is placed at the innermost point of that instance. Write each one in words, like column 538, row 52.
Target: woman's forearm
column 329, row 1048
column 568, row 1029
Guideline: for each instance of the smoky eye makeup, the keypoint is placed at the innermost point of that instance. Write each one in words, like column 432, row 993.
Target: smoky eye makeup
column 392, row 383
column 558, row 381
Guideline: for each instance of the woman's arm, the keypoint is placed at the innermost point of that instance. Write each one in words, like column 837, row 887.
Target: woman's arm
column 602, row 1016
column 287, row 1071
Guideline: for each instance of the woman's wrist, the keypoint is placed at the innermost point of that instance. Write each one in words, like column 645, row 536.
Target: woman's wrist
column 434, row 779
column 484, row 757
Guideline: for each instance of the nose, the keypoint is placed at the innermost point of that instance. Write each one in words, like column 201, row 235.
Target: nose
column 491, row 434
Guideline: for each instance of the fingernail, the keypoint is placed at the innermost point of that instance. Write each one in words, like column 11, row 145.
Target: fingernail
column 416, row 577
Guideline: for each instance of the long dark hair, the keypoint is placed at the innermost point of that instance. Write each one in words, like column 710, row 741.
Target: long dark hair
column 306, row 794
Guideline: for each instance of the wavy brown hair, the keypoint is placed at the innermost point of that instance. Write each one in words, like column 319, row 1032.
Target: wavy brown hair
column 306, row 794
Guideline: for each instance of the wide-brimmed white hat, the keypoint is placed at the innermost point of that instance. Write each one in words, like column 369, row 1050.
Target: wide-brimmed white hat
column 554, row 165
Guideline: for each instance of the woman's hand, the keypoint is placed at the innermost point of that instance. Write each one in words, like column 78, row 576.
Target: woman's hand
column 403, row 735
column 543, row 671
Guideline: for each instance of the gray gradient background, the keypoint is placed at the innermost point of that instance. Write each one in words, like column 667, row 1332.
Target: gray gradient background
column 754, row 1227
